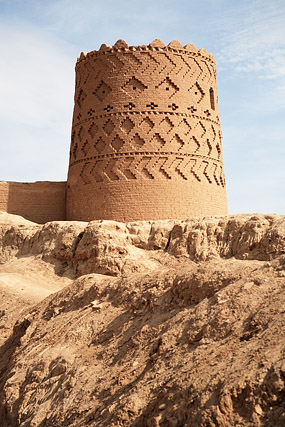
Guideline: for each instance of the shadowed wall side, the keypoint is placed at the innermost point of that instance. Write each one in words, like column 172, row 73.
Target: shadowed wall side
column 40, row 202
column 4, row 196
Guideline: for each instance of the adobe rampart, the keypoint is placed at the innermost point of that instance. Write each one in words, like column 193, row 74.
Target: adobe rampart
column 145, row 143
column 40, row 201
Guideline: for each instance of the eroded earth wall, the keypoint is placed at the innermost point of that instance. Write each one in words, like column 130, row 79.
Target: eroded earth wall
column 40, row 201
column 146, row 140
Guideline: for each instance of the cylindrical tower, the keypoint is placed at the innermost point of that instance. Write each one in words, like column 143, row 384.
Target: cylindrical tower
column 146, row 139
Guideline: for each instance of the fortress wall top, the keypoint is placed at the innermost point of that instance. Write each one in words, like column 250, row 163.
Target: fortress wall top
column 40, row 202
column 157, row 45
column 146, row 139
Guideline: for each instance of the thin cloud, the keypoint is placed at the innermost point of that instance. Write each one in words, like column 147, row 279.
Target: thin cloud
column 253, row 39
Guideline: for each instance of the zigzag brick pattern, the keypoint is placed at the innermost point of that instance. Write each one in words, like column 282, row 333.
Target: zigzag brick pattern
column 146, row 139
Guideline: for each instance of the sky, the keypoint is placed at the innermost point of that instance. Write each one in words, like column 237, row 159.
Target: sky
column 40, row 41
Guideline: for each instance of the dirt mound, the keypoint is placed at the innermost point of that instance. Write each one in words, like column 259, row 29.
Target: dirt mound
column 164, row 323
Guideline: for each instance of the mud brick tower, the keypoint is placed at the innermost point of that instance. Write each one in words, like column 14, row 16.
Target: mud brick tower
column 146, row 139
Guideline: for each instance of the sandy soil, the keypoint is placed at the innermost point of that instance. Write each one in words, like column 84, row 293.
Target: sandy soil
column 165, row 323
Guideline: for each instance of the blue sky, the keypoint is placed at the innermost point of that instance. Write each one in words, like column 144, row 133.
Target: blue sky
column 41, row 39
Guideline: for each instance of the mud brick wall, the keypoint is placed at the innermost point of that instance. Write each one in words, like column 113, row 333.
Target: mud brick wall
column 40, row 202
column 146, row 139
column 4, row 195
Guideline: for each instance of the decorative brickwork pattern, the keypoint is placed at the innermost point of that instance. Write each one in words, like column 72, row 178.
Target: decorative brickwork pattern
column 146, row 139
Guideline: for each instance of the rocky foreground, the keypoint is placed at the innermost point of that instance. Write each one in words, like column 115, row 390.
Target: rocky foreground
column 164, row 323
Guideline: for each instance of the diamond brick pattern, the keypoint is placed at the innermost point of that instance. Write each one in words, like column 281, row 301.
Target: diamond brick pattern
column 146, row 125
column 102, row 91
column 137, row 141
column 108, row 127
column 134, row 87
column 85, row 148
column 100, row 145
column 166, row 125
column 168, row 85
column 127, row 125
column 117, row 143
column 144, row 116
column 92, row 130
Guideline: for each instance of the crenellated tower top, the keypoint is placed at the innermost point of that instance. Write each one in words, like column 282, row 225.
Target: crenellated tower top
column 155, row 45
